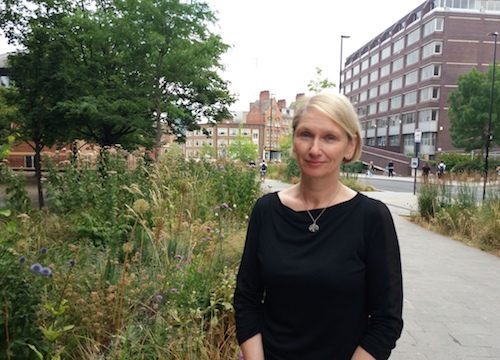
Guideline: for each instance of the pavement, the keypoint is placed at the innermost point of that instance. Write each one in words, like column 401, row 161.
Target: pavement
column 451, row 291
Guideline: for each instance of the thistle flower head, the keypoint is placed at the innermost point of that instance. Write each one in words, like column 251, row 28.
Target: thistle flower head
column 36, row 268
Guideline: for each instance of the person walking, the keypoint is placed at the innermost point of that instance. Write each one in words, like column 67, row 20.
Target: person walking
column 441, row 169
column 263, row 170
column 426, row 169
column 320, row 274
column 390, row 169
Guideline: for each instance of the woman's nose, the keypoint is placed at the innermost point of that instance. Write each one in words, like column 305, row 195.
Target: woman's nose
column 315, row 146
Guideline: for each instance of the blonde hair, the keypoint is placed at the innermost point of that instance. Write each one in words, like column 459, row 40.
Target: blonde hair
column 338, row 109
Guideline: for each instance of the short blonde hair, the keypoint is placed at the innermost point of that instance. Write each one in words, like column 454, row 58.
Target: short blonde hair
column 337, row 108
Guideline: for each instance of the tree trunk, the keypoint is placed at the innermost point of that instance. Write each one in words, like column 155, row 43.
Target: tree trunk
column 38, row 173
column 159, row 133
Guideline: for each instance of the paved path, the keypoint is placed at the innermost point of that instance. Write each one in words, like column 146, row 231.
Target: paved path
column 452, row 291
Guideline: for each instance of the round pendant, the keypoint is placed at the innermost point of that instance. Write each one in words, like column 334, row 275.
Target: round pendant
column 313, row 227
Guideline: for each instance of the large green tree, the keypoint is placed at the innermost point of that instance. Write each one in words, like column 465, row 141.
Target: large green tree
column 113, row 71
column 242, row 148
column 469, row 110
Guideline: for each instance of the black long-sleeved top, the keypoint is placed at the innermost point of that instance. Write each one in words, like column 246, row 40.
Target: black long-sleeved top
column 320, row 295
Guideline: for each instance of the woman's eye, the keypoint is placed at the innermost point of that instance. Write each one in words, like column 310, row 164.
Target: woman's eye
column 305, row 134
column 330, row 138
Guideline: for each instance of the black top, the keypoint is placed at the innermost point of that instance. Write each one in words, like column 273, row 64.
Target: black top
column 320, row 295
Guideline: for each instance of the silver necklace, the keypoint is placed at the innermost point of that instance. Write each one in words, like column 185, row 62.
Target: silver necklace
column 314, row 227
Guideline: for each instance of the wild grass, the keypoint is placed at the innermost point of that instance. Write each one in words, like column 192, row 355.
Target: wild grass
column 133, row 265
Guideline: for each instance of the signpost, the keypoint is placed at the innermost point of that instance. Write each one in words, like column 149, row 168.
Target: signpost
column 414, row 161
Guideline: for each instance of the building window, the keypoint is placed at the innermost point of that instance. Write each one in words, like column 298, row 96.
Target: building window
column 385, row 70
column 394, row 140
column 430, row 71
column 384, row 88
column 365, row 64
column 429, row 93
column 371, row 142
column 396, row 102
column 348, row 74
column 362, row 111
column 381, row 123
column 398, row 46
column 433, row 26
column 233, row 132
column 410, row 98
column 383, row 105
column 381, row 141
column 427, row 115
column 29, row 161
column 385, row 53
column 221, row 131
column 412, row 57
column 394, row 120
column 374, row 59
column 355, row 85
column 397, row 83
column 355, row 70
column 408, row 140
column 433, row 48
column 364, row 81
column 374, row 76
column 408, row 118
column 255, row 135
column 372, row 109
column 397, row 64
column 411, row 78
column 428, row 138
column 373, row 92
column 363, row 96
column 413, row 37
column 347, row 88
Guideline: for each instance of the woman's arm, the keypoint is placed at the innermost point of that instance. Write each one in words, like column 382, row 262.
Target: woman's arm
column 252, row 348
column 361, row 354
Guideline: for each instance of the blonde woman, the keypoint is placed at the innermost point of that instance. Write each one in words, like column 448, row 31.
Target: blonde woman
column 320, row 276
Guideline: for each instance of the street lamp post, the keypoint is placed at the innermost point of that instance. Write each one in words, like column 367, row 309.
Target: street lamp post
column 270, row 124
column 489, row 135
column 342, row 37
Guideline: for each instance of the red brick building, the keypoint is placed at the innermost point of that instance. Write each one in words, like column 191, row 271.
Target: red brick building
column 401, row 79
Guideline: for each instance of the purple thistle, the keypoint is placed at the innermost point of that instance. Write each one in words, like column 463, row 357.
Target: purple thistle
column 174, row 290
column 72, row 262
column 178, row 257
column 22, row 259
column 46, row 271
column 43, row 251
column 36, row 268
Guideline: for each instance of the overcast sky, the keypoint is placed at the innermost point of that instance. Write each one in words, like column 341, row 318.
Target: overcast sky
column 277, row 44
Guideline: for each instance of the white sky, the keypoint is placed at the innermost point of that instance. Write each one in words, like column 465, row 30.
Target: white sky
column 277, row 44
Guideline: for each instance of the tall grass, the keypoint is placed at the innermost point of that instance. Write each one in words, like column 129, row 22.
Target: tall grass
column 461, row 214
column 142, row 263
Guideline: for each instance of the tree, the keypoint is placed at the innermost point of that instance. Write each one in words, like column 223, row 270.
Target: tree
column 242, row 148
column 469, row 110
column 319, row 83
column 8, row 114
column 113, row 71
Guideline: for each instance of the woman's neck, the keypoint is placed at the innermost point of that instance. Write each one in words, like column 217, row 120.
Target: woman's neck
column 319, row 193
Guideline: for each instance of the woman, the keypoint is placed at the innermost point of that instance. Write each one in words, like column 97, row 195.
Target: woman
column 320, row 275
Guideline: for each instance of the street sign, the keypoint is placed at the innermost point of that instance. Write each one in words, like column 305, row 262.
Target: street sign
column 418, row 136
column 414, row 163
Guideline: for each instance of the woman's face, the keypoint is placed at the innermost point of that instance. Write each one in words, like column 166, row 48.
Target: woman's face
column 320, row 145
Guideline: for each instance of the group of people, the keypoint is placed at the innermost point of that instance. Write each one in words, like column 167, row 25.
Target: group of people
column 320, row 274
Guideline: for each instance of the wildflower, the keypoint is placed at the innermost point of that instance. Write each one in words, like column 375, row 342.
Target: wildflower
column 174, row 290
column 22, row 259
column 43, row 251
column 140, row 206
column 36, row 268
column 158, row 298
column 46, row 271
column 71, row 262
column 178, row 257
column 128, row 247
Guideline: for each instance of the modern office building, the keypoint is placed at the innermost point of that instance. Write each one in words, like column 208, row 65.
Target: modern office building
column 400, row 80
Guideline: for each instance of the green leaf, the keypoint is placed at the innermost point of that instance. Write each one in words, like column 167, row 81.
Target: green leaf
column 38, row 353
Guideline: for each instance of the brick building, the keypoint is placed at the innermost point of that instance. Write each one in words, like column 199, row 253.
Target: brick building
column 400, row 80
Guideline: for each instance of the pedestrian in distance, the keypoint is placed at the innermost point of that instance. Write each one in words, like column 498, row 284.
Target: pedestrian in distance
column 371, row 169
column 441, row 168
column 426, row 169
column 390, row 169
column 320, row 275
column 263, row 170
